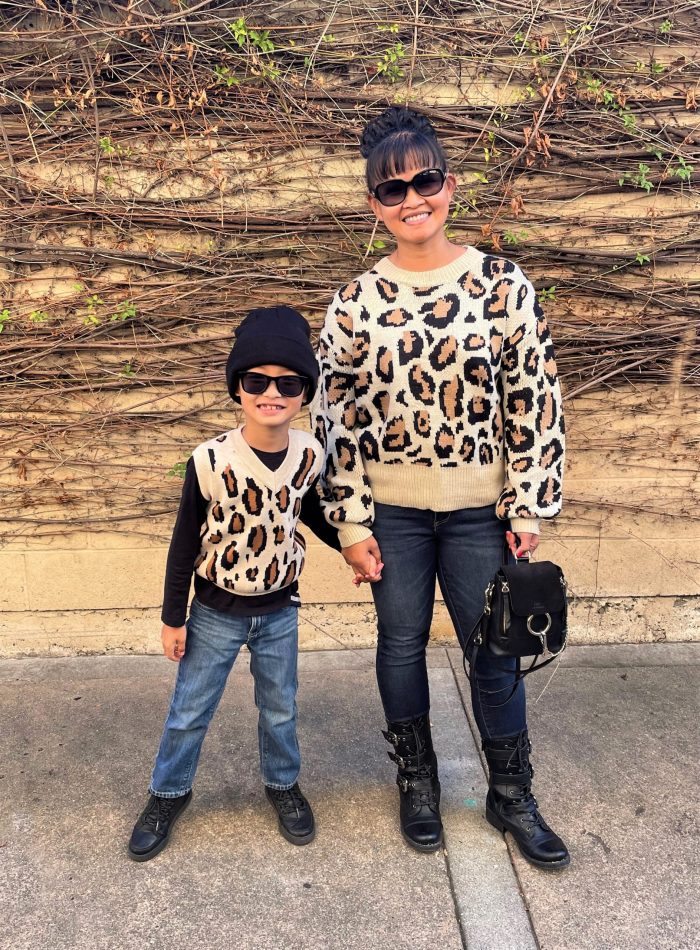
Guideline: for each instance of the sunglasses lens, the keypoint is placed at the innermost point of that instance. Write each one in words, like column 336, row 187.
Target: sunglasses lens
column 429, row 183
column 426, row 183
column 254, row 383
column 290, row 385
column 391, row 192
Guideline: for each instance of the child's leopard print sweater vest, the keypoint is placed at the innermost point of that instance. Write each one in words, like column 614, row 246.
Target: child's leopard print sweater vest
column 439, row 391
column 249, row 541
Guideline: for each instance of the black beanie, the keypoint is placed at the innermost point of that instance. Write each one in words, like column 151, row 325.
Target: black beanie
column 273, row 335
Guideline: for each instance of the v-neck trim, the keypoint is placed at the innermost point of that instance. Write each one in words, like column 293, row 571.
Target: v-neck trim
column 273, row 480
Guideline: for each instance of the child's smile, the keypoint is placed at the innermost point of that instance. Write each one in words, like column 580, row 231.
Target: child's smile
column 271, row 408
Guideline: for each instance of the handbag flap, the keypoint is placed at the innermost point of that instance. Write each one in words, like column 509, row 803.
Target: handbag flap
column 536, row 587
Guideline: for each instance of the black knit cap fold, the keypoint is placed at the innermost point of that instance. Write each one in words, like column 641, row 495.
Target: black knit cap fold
column 273, row 335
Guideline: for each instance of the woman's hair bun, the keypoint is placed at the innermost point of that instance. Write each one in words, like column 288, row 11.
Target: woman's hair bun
column 392, row 120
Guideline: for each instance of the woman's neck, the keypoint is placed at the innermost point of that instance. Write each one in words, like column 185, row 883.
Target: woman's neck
column 428, row 256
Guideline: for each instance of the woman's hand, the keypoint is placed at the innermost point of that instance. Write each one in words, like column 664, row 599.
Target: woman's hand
column 365, row 559
column 522, row 543
column 173, row 640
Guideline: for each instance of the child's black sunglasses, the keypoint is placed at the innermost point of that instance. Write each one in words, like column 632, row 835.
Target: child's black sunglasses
column 255, row 384
column 425, row 183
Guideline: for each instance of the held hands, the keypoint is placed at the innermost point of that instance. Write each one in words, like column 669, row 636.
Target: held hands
column 173, row 640
column 522, row 543
column 365, row 559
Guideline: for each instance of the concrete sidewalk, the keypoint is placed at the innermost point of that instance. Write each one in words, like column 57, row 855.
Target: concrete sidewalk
column 615, row 735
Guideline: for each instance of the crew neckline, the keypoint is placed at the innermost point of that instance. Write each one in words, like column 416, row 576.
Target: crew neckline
column 427, row 278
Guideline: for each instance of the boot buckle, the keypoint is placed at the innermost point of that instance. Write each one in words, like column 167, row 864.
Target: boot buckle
column 391, row 737
column 402, row 783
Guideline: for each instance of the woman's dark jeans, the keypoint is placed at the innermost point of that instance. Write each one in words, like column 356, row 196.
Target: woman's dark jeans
column 463, row 550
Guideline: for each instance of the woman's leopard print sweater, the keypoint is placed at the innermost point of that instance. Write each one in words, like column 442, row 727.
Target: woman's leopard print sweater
column 439, row 391
column 250, row 544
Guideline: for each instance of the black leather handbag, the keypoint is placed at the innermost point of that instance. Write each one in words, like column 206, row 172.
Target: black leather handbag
column 525, row 614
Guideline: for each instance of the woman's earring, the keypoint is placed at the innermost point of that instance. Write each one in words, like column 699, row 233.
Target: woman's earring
column 371, row 240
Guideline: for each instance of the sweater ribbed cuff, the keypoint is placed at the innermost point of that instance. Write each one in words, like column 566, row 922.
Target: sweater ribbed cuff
column 528, row 525
column 352, row 533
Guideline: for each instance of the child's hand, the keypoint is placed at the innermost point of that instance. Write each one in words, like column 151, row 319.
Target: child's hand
column 173, row 640
column 522, row 543
column 365, row 559
column 376, row 570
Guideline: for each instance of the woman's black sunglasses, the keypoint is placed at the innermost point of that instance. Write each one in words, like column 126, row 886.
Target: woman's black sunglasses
column 425, row 183
column 255, row 384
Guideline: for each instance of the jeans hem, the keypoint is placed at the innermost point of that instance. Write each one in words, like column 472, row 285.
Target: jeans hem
column 152, row 791
column 280, row 788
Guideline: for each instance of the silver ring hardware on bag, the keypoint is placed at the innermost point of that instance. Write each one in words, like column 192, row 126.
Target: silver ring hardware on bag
column 540, row 634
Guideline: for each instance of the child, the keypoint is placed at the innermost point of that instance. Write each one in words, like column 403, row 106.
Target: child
column 243, row 494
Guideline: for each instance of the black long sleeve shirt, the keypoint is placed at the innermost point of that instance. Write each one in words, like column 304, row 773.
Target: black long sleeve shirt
column 185, row 547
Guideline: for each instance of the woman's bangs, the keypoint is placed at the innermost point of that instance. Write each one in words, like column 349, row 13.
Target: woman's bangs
column 393, row 156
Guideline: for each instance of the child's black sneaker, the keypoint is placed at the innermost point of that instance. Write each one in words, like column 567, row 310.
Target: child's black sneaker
column 296, row 820
column 152, row 830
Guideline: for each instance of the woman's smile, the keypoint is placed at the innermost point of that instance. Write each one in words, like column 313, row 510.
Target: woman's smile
column 416, row 217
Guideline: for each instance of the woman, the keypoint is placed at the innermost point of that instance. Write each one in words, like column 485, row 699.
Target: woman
column 441, row 414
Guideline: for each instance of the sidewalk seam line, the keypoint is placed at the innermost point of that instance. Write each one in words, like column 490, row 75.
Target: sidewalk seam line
column 477, row 742
column 446, row 850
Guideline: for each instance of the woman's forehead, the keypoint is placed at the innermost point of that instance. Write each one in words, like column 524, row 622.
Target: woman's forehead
column 404, row 162
column 411, row 171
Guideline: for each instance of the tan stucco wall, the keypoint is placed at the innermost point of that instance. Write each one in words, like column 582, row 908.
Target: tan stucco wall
column 634, row 575
column 165, row 222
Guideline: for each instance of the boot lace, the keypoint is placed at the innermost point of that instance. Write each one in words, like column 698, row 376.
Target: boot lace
column 525, row 804
column 420, row 784
column 158, row 812
column 290, row 801
column 424, row 796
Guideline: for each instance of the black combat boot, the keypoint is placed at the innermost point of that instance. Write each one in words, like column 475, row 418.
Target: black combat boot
column 511, row 806
column 152, row 831
column 419, row 788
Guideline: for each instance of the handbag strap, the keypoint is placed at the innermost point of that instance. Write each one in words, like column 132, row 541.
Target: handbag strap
column 525, row 559
column 470, row 652
column 469, row 656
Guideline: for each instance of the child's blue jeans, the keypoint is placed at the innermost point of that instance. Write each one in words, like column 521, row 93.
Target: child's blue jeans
column 462, row 550
column 213, row 642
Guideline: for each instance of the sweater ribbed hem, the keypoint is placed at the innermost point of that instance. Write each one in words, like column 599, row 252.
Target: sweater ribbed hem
column 352, row 533
column 529, row 525
column 436, row 489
